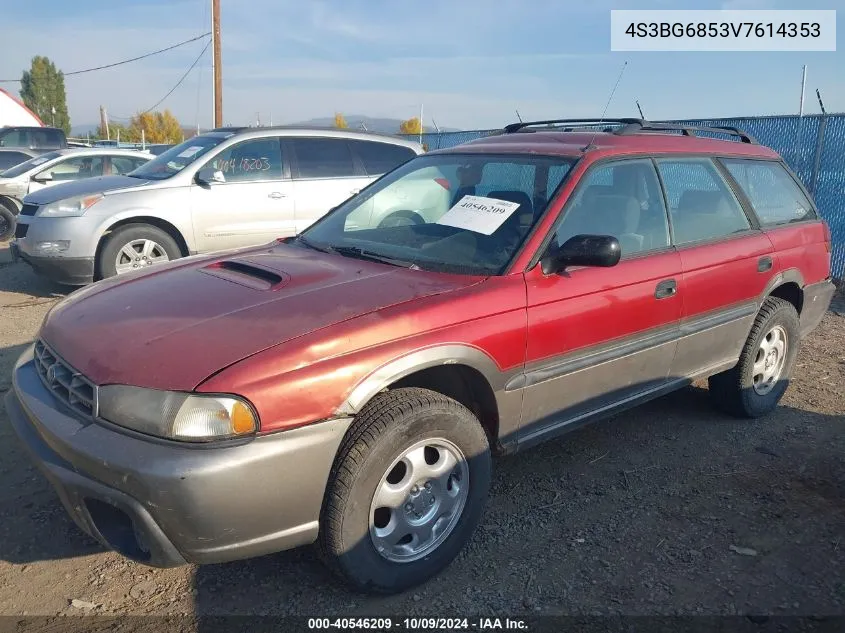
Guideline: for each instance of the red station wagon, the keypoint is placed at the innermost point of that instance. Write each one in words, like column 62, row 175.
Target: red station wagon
column 348, row 386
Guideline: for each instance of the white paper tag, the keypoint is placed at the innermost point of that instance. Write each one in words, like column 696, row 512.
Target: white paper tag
column 189, row 151
column 479, row 214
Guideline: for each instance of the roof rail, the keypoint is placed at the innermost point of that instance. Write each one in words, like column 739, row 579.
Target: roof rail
column 633, row 126
column 516, row 127
column 686, row 130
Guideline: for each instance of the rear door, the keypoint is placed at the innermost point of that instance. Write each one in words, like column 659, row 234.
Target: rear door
column 600, row 336
column 68, row 170
column 324, row 175
column 253, row 205
column 726, row 260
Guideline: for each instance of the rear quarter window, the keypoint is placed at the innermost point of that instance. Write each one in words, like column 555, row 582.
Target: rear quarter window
column 774, row 195
column 380, row 158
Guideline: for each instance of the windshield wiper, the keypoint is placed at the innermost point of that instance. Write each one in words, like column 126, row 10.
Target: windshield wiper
column 355, row 252
column 360, row 253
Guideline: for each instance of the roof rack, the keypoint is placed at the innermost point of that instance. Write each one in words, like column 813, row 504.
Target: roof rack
column 633, row 126
column 516, row 127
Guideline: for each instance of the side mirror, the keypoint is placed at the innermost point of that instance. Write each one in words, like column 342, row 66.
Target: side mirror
column 209, row 175
column 583, row 250
column 43, row 177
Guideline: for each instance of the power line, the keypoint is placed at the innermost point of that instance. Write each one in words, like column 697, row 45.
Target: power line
column 125, row 61
column 179, row 83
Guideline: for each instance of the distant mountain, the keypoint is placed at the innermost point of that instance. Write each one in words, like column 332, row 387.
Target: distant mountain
column 373, row 124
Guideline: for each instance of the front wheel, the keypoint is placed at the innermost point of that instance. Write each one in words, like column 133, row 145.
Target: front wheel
column 756, row 384
column 406, row 491
column 133, row 247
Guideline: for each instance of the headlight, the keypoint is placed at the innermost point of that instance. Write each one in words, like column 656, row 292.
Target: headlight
column 175, row 415
column 71, row 207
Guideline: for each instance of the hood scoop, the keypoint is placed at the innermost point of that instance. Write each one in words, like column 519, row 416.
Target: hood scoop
column 247, row 273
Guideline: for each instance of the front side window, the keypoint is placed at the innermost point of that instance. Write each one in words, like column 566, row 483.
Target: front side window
column 75, row 168
column 174, row 160
column 323, row 158
column 774, row 195
column 701, row 203
column 622, row 199
column 466, row 214
column 257, row 159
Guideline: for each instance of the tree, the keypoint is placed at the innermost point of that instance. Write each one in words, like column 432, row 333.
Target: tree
column 116, row 130
column 411, row 126
column 43, row 90
column 157, row 127
column 340, row 121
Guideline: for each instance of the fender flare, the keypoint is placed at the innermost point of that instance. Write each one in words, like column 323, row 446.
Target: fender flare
column 398, row 368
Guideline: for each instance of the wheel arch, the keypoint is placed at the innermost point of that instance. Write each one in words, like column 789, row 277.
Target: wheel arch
column 462, row 372
column 157, row 222
column 787, row 285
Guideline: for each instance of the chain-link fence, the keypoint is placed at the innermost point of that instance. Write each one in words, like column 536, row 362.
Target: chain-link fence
column 813, row 146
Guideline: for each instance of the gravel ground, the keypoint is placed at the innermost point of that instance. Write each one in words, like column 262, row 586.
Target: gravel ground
column 668, row 509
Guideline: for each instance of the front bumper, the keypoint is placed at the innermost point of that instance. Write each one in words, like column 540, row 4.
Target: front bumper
column 817, row 298
column 72, row 271
column 164, row 503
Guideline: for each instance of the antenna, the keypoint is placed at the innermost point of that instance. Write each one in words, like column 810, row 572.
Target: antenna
column 821, row 103
column 642, row 116
column 606, row 105
column 517, row 116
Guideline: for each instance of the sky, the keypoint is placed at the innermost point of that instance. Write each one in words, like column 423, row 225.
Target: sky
column 469, row 63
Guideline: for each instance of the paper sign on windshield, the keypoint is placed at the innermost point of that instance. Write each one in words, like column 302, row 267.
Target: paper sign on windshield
column 479, row 214
column 189, row 151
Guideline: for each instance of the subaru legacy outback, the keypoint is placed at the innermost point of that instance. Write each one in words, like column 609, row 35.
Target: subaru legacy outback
column 348, row 386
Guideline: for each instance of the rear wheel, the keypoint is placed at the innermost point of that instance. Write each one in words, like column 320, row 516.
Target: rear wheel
column 406, row 491
column 756, row 384
column 401, row 218
column 8, row 220
column 135, row 246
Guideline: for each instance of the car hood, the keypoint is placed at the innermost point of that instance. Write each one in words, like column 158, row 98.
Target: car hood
column 173, row 328
column 100, row 184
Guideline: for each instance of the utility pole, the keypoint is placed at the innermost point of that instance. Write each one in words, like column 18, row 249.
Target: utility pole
column 217, row 63
column 421, row 122
column 104, row 122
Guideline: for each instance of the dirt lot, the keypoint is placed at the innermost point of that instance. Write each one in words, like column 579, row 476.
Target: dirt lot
column 671, row 508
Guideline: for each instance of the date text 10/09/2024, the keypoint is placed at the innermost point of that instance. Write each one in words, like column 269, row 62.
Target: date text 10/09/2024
column 419, row 624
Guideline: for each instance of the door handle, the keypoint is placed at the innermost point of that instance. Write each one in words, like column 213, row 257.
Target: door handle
column 665, row 289
column 276, row 195
column 764, row 264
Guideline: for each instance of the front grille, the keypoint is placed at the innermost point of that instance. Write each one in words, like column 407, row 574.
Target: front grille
column 29, row 209
column 21, row 229
column 67, row 384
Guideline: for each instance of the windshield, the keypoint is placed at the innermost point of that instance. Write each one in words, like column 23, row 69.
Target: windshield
column 26, row 166
column 177, row 158
column 466, row 214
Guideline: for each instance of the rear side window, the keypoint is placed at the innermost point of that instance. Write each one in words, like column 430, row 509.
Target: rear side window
column 775, row 196
column 123, row 164
column 323, row 158
column 380, row 158
column 701, row 203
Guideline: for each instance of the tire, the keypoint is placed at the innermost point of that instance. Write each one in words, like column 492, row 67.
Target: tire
column 8, row 221
column 401, row 218
column 164, row 248
column 391, row 424
column 751, row 392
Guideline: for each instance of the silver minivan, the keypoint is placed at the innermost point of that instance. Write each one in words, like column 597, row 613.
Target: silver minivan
column 225, row 189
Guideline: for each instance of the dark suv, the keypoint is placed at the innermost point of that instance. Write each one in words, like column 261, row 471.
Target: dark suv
column 348, row 385
column 33, row 138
